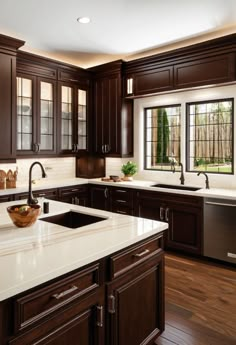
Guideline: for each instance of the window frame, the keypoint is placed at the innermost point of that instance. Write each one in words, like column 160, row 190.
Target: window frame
column 187, row 135
column 145, row 134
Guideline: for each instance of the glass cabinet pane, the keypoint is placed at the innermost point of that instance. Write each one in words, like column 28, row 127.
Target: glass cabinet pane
column 66, row 118
column 46, row 116
column 24, row 114
column 82, row 119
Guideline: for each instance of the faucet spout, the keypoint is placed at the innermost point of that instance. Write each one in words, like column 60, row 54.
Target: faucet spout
column 182, row 174
column 31, row 200
column 207, row 179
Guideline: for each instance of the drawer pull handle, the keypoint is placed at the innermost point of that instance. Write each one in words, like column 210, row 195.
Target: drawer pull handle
column 42, row 194
column 74, row 190
column 121, row 201
column 100, row 316
column 139, row 255
column 64, row 293
column 121, row 212
column 121, row 191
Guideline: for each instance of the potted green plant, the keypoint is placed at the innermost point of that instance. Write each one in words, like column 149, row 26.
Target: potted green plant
column 129, row 169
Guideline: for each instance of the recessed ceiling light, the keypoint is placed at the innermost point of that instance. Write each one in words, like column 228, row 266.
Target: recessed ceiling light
column 83, row 20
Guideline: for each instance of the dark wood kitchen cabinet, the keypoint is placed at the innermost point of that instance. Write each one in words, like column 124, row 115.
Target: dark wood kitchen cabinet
column 73, row 113
column 184, row 214
column 77, row 195
column 8, row 50
column 135, row 295
column 150, row 81
column 68, row 311
column 99, row 197
column 121, row 200
column 50, row 193
column 6, row 198
column 117, row 300
column 113, row 116
column 36, row 115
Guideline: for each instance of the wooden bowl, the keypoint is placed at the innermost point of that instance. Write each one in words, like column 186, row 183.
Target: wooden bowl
column 24, row 215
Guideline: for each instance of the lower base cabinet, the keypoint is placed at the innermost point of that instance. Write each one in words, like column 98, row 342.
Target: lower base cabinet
column 118, row 300
column 136, row 306
column 77, row 195
column 184, row 215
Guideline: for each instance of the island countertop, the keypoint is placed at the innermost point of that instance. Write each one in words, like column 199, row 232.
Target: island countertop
column 34, row 255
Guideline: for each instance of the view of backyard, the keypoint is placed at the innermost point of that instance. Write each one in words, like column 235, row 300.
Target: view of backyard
column 209, row 137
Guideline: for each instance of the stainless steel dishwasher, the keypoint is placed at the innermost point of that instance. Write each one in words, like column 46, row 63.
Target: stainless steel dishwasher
column 220, row 229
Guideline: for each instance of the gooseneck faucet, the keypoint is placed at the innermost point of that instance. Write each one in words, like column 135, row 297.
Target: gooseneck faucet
column 207, row 179
column 172, row 165
column 31, row 200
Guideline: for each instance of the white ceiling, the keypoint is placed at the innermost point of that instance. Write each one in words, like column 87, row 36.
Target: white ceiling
column 119, row 28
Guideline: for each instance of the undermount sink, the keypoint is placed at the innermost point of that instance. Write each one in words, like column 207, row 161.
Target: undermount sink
column 171, row 186
column 73, row 219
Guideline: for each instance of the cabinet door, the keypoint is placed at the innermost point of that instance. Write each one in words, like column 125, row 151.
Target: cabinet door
column 143, row 293
column 26, row 118
column 77, row 195
column 99, row 197
column 185, row 228
column 7, row 106
column 148, row 206
column 36, row 121
column 73, row 126
column 107, row 108
column 47, row 116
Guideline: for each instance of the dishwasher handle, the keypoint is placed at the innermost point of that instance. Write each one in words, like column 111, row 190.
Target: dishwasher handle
column 219, row 204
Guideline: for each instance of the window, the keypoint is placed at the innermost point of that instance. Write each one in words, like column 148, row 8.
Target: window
column 210, row 136
column 162, row 137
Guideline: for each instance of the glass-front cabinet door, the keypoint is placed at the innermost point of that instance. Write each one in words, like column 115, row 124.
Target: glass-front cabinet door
column 66, row 118
column 82, row 120
column 24, row 114
column 35, row 116
column 73, row 127
column 47, row 121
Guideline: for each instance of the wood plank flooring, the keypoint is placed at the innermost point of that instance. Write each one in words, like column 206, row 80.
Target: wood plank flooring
column 200, row 303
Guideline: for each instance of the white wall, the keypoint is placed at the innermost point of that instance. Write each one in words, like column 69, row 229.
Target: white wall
column 56, row 168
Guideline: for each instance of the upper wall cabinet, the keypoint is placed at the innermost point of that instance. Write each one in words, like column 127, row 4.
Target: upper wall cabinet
column 8, row 49
column 206, row 71
column 36, row 120
column 113, row 117
column 207, row 63
column 148, row 82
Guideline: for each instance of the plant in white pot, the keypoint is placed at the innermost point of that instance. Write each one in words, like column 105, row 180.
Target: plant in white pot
column 129, row 170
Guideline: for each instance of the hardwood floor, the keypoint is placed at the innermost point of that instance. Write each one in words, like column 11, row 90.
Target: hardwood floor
column 200, row 303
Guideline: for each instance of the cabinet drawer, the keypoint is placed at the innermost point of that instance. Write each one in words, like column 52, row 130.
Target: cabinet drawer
column 120, row 263
column 122, row 196
column 122, row 209
column 37, row 305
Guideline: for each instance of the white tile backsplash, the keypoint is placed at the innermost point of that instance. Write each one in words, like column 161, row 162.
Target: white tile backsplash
column 56, row 168
column 113, row 165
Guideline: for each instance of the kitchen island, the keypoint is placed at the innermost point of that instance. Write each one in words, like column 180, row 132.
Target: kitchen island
column 98, row 284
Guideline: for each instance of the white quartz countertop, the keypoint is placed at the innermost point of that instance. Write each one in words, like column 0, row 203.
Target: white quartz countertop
column 221, row 193
column 148, row 185
column 34, row 255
